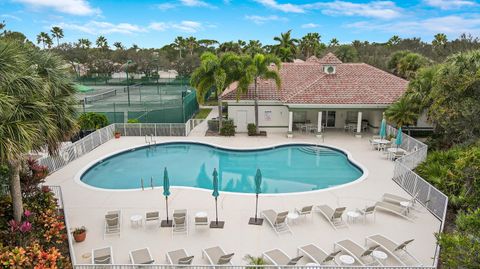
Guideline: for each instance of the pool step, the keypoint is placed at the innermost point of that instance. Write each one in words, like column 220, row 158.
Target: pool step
column 318, row 151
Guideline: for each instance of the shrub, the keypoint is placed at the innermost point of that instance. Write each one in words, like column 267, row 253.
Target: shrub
column 228, row 129
column 252, row 130
column 92, row 121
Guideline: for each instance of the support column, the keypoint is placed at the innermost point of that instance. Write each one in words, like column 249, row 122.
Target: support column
column 290, row 124
column 319, row 124
column 359, row 125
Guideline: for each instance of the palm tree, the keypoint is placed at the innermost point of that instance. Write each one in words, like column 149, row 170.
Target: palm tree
column 118, row 45
column 101, row 42
column 310, row 43
column 333, row 42
column 258, row 67
column 253, row 47
column 403, row 112
column 179, row 44
column 440, row 40
column 287, row 42
column 285, row 55
column 394, row 40
column 57, row 33
column 215, row 73
column 84, row 43
column 191, row 43
column 43, row 38
column 37, row 108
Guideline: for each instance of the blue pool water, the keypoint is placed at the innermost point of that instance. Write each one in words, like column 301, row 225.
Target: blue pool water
column 285, row 169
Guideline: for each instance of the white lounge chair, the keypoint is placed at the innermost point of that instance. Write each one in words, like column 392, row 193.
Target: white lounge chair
column 396, row 250
column 304, row 211
column 277, row 221
column 180, row 221
column 392, row 208
column 153, row 216
column 201, row 221
column 179, row 256
column 141, row 256
column 113, row 221
column 317, row 254
column 334, row 216
column 217, row 256
column 279, row 257
column 360, row 254
column 396, row 199
column 102, row 255
column 368, row 210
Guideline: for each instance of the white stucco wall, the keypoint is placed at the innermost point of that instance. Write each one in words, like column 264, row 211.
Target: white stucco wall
column 277, row 122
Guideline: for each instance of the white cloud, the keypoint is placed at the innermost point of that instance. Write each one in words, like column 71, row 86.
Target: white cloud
column 263, row 19
column 450, row 4
column 373, row 9
column 183, row 26
column 194, row 3
column 450, row 25
column 188, row 26
column 310, row 25
column 9, row 16
column 73, row 7
column 166, row 6
column 98, row 27
column 158, row 26
column 282, row 7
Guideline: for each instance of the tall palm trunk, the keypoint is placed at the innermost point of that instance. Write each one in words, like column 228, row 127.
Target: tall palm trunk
column 15, row 189
column 220, row 116
column 256, row 106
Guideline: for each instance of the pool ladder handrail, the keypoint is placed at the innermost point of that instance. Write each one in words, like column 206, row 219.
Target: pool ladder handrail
column 152, row 140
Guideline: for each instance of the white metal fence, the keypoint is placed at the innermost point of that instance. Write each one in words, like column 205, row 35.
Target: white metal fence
column 77, row 149
column 57, row 192
column 426, row 194
column 100, row 136
column 155, row 129
column 165, row 266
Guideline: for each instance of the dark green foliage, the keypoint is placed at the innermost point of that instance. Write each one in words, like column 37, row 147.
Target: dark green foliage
column 228, row 129
column 346, row 53
column 252, row 130
column 92, row 121
column 460, row 248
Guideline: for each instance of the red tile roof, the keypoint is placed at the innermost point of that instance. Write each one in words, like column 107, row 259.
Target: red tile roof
column 307, row 83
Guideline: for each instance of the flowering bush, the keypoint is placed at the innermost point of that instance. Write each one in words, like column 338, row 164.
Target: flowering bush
column 33, row 256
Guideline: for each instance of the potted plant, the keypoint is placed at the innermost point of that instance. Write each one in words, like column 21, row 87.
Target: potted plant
column 117, row 134
column 79, row 234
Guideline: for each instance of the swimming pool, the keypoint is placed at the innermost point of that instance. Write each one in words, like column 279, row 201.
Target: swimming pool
column 285, row 169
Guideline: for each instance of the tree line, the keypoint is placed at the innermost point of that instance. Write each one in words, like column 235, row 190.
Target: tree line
column 101, row 57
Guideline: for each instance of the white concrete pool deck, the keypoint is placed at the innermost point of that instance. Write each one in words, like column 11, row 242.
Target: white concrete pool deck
column 86, row 207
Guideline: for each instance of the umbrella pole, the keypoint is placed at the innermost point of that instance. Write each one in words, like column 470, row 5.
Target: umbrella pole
column 216, row 211
column 256, row 207
column 166, row 206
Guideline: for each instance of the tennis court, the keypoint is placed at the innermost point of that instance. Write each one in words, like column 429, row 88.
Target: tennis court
column 144, row 103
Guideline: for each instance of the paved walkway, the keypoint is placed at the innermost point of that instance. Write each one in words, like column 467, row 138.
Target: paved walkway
column 86, row 206
column 202, row 128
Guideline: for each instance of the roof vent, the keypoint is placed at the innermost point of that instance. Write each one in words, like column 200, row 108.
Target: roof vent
column 329, row 69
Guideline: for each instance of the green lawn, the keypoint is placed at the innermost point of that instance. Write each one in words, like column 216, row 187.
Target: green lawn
column 202, row 113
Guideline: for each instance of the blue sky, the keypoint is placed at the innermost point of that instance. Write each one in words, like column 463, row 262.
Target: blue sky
column 151, row 23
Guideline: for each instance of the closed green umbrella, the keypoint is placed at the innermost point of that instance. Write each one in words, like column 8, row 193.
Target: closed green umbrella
column 383, row 129
column 258, row 190
column 399, row 139
column 215, row 193
column 166, row 193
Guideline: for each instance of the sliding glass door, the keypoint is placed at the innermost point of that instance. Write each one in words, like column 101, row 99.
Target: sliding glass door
column 328, row 119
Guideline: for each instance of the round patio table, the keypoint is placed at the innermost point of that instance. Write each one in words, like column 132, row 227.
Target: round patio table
column 346, row 259
column 136, row 220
